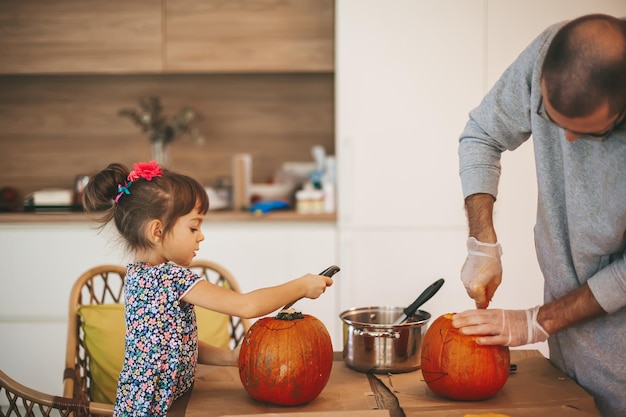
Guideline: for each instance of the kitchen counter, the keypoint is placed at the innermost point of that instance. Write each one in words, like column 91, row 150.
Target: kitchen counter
column 212, row 216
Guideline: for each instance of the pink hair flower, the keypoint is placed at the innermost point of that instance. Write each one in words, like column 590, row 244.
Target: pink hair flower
column 145, row 170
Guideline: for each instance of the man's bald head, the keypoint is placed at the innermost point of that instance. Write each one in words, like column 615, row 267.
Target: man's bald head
column 585, row 66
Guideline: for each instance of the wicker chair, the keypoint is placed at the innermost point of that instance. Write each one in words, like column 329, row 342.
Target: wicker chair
column 24, row 401
column 218, row 275
column 104, row 285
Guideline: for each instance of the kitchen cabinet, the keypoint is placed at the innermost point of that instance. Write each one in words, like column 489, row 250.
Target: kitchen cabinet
column 249, row 36
column 75, row 36
column 40, row 263
column 166, row 36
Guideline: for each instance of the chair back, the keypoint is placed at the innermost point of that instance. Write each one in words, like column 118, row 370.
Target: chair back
column 96, row 328
column 25, row 401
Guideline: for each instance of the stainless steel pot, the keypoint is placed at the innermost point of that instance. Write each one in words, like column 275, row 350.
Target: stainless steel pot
column 372, row 344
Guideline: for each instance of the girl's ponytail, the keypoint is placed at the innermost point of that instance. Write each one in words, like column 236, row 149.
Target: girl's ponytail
column 100, row 193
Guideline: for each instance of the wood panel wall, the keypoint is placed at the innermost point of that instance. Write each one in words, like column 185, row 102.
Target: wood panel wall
column 55, row 127
column 70, row 36
column 250, row 35
column 153, row 36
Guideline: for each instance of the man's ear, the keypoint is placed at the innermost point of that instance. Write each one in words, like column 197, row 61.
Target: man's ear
column 155, row 230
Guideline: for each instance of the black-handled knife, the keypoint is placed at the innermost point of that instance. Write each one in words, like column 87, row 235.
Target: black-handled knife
column 328, row 272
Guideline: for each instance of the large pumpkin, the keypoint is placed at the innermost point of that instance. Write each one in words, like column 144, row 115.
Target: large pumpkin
column 286, row 360
column 454, row 366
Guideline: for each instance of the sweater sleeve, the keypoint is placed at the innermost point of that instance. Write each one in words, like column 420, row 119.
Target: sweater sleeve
column 608, row 285
column 501, row 122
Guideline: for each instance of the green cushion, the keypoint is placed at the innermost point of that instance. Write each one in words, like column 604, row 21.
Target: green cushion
column 103, row 327
column 212, row 327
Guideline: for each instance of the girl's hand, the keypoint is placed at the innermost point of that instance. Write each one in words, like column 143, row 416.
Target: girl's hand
column 315, row 285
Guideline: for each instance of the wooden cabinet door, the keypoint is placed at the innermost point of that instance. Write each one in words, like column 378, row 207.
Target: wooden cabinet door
column 80, row 36
column 249, row 35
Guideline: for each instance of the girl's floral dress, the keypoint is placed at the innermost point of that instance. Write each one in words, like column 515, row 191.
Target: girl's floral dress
column 161, row 339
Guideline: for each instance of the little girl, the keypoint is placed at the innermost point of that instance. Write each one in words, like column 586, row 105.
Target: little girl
column 159, row 215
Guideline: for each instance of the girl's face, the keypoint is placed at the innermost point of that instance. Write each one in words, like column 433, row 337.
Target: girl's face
column 181, row 244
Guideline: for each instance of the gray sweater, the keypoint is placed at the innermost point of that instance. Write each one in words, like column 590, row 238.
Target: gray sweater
column 580, row 231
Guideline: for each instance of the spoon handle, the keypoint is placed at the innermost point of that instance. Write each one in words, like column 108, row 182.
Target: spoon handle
column 423, row 297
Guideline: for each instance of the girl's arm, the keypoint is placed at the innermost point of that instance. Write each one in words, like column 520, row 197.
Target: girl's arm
column 212, row 355
column 259, row 302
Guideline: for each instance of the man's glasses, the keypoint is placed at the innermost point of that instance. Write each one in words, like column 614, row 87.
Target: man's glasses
column 541, row 111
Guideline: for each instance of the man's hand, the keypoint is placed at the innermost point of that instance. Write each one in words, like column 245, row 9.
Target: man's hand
column 482, row 271
column 501, row 327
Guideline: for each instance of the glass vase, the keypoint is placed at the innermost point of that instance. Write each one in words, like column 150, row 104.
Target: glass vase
column 160, row 152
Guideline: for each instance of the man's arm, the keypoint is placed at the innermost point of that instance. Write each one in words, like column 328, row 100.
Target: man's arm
column 479, row 208
column 573, row 308
column 482, row 271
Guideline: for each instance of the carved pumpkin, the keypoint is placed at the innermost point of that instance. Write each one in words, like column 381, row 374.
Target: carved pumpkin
column 286, row 360
column 454, row 366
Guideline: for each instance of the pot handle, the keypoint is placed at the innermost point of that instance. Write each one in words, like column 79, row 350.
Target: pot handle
column 367, row 333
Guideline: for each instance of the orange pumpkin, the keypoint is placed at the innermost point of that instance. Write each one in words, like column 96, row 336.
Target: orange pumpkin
column 286, row 360
column 454, row 366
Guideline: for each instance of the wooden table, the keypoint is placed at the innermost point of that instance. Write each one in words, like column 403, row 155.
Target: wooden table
column 537, row 388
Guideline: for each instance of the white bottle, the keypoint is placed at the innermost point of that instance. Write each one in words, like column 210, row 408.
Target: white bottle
column 328, row 186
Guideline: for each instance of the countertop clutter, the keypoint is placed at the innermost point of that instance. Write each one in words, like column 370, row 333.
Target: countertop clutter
column 537, row 388
column 307, row 187
column 302, row 191
column 213, row 216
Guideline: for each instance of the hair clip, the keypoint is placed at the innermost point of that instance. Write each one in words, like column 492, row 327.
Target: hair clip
column 145, row 170
column 123, row 189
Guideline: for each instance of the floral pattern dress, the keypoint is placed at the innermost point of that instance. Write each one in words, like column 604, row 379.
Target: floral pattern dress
column 161, row 349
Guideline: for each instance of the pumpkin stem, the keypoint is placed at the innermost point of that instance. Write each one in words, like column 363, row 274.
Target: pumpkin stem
column 289, row 314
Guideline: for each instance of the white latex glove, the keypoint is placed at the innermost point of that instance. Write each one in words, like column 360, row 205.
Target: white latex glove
column 501, row 327
column 482, row 271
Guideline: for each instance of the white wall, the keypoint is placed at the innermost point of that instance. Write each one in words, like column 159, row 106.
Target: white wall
column 407, row 72
column 40, row 263
column 265, row 254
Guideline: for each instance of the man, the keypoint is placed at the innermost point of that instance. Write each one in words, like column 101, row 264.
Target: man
column 567, row 89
